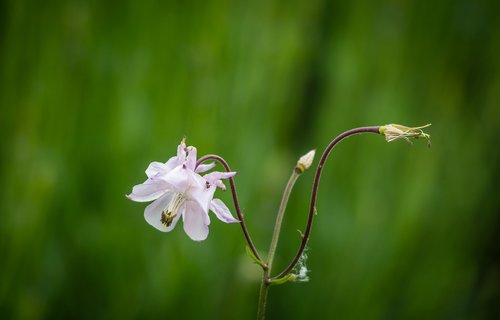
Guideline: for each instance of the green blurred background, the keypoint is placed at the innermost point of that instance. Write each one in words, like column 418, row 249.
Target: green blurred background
column 92, row 91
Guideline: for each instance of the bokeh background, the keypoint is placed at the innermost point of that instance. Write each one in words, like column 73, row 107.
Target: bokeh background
column 92, row 91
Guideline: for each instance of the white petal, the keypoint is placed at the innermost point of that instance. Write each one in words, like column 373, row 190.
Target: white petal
column 150, row 190
column 201, row 195
column 196, row 222
column 155, row 168
column 204, row 167
column 214, row 176
column 181, row 151
column 172, row 163
column 179, row 178
column 220, row 184
column 191, row 158
column 152, row 214
column 221, row 211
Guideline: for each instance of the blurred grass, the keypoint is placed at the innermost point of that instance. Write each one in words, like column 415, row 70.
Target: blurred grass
column 91, row 92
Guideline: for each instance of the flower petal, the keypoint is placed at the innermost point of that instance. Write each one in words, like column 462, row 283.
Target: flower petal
column 221, row 211
column 201, row 195
column 172, row 163
column 156, row 167
column 150, row 190
column 196, row 221
column 204, row 167
column 181, row 151
column 220, row 184
column 212, row 177
column 179, row 179
column 191, row 158
column 152, row 214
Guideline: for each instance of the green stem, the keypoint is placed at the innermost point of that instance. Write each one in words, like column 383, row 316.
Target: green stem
column 279, row 219
column 264, row 286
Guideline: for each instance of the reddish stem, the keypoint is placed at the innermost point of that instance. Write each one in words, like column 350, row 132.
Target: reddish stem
column 235, row 200
column 324, row 157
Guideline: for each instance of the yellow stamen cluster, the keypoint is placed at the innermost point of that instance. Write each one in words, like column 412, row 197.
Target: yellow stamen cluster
column 168, row 215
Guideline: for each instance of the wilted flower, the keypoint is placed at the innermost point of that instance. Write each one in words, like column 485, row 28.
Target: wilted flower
column 396, row 131
column 179, row 190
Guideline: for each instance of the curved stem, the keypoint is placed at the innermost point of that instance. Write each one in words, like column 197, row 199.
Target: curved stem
column 312, row 207
column 235, row 200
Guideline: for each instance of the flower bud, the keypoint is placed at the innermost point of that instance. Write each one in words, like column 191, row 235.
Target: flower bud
column 396, row 131
column 305, row 161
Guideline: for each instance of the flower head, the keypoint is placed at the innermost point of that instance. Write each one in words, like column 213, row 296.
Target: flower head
column 396, row 131
column 178, row 189
column 305, row 161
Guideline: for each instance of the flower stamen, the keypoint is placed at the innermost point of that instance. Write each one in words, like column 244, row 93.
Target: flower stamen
column 168, row 215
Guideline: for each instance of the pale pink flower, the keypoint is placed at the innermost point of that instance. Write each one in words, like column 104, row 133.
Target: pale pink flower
column 178, row 189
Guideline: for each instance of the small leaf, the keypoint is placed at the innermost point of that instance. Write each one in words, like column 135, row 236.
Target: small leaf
column 254, row 258
column 288, row 277
column 301, row 234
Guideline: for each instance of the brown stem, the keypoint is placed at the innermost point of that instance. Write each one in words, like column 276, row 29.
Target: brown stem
column 324, row 157
column 235, row 200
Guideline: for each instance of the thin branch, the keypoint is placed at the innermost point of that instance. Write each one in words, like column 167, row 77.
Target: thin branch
column 279, row 218
column 264, row 286
column 235, row 200
column 324, row 157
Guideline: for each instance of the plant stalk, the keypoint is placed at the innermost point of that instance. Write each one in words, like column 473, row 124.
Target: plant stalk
column 279, row 218
column 235, row 200
column 264, row 286
column 312, row 207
